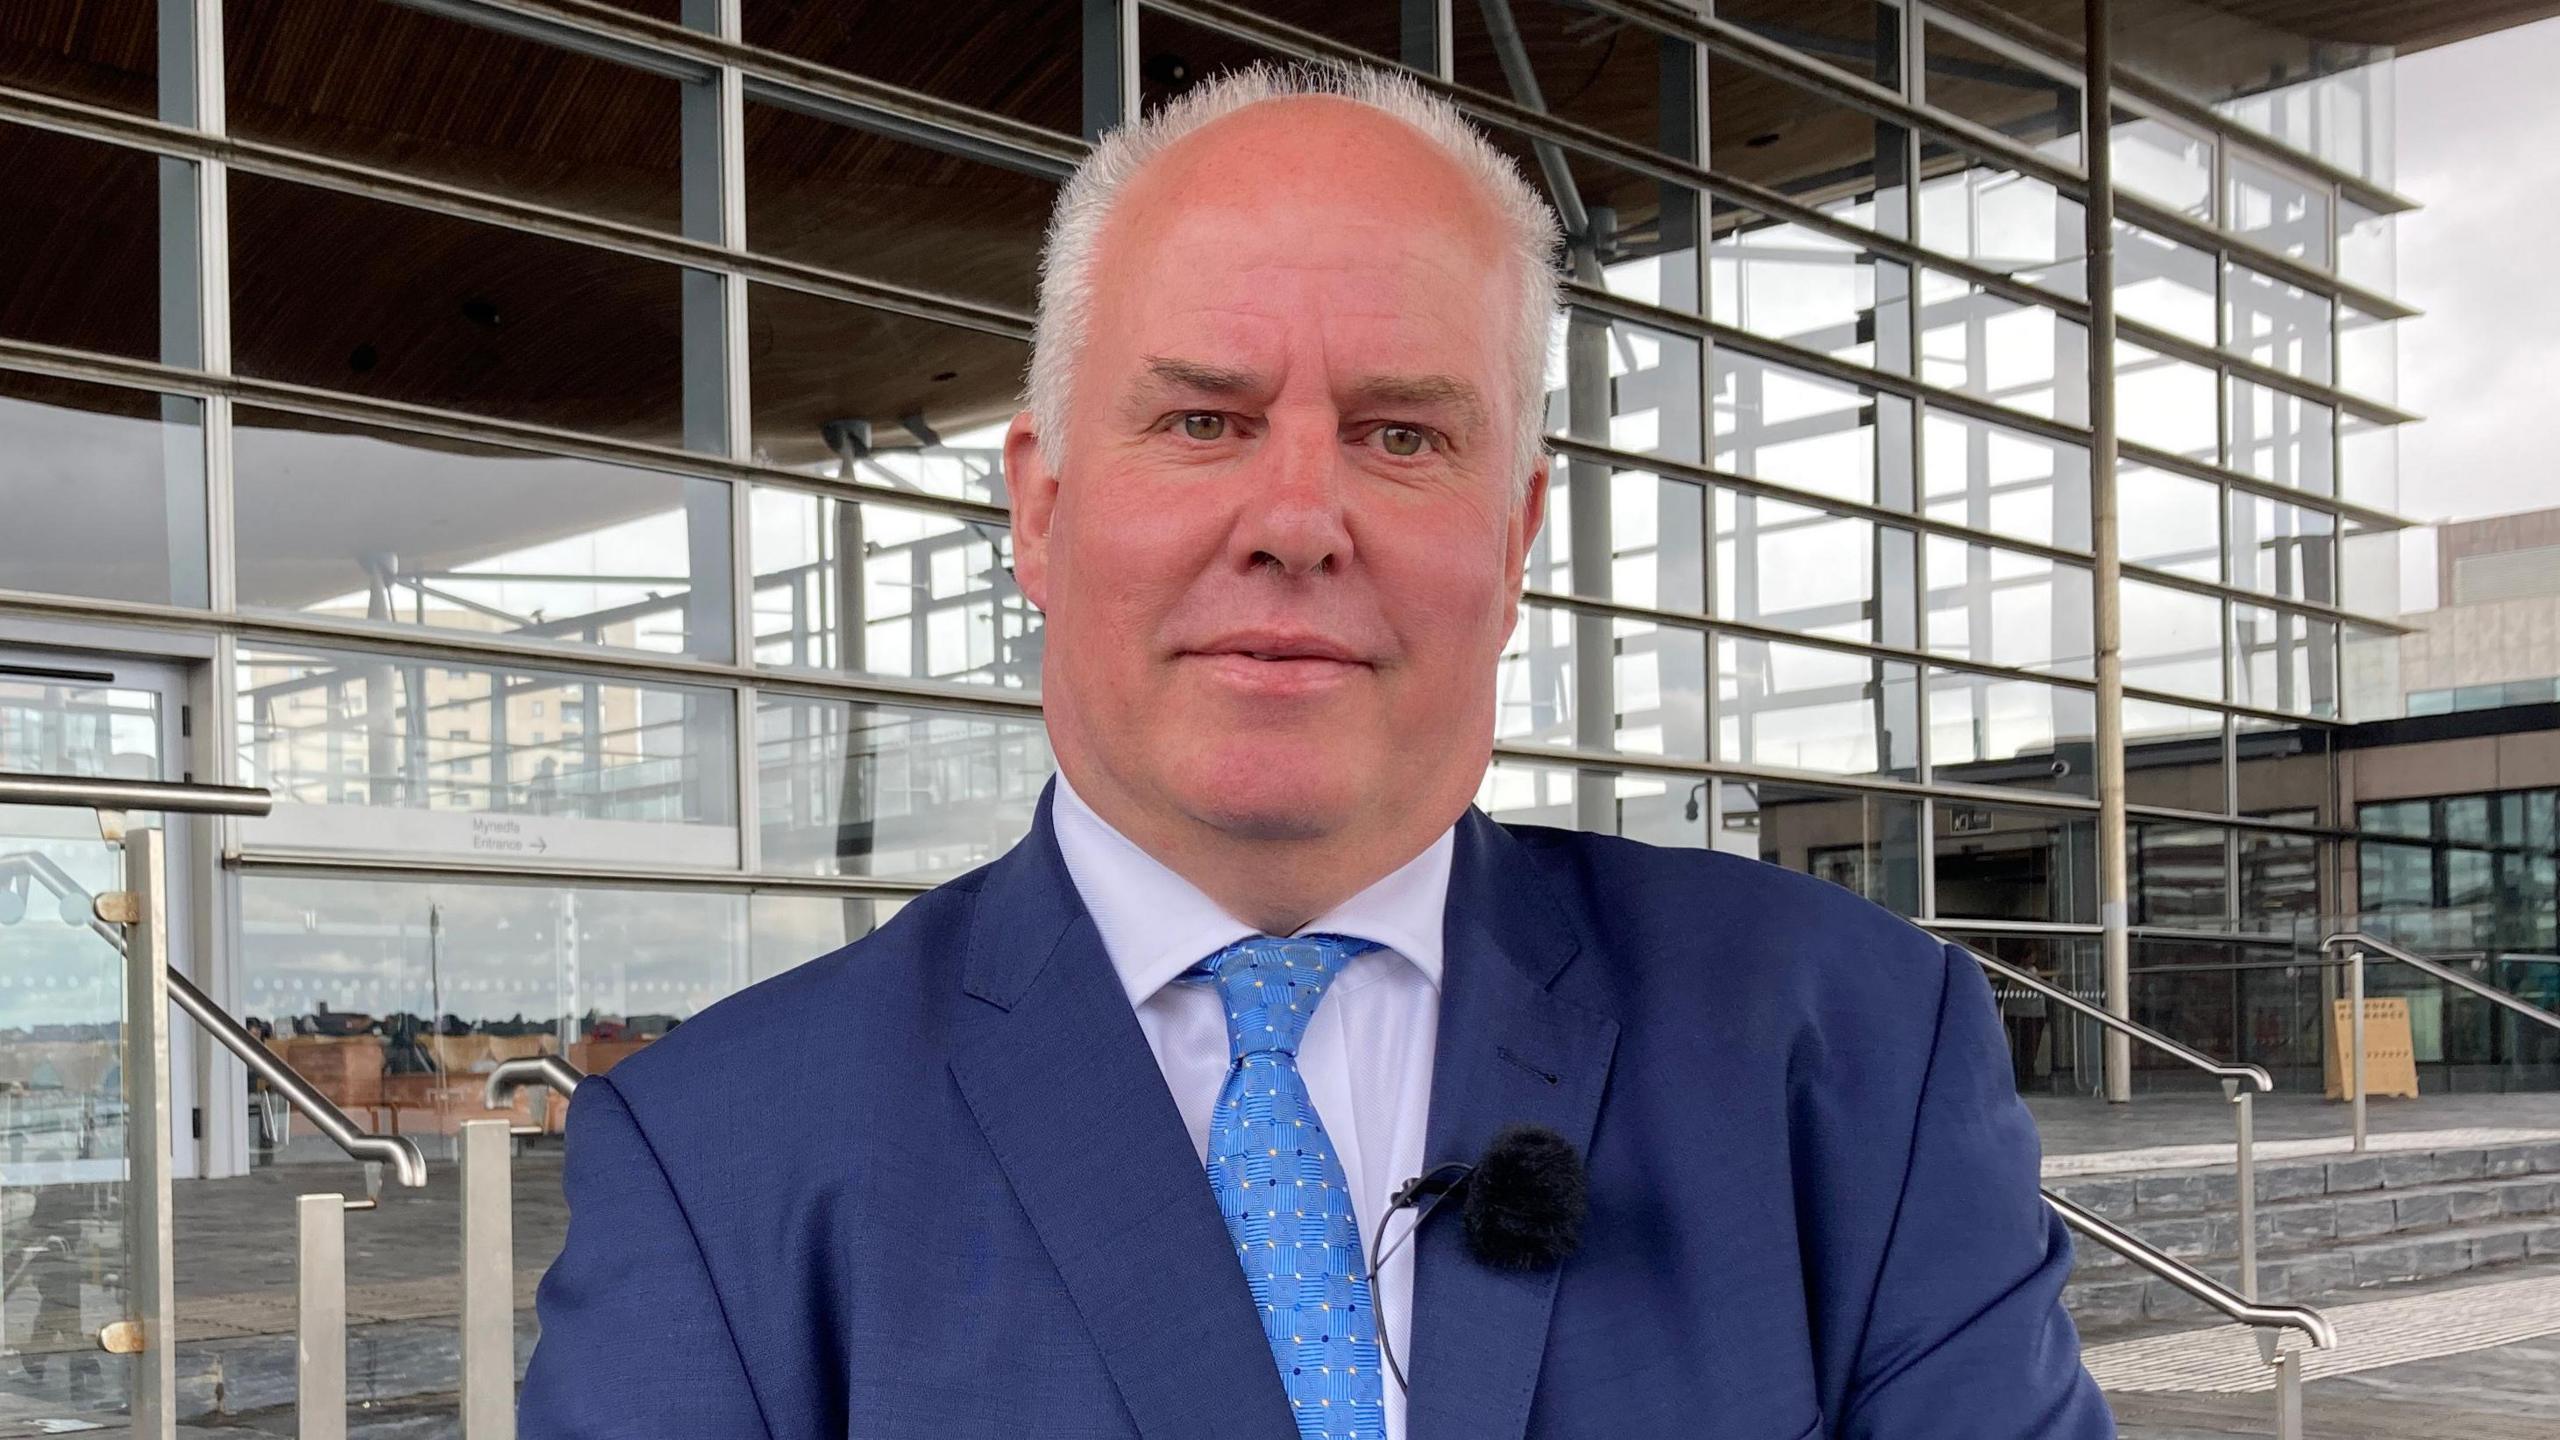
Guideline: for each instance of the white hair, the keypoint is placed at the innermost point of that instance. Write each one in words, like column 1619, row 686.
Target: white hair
column 1069, row 254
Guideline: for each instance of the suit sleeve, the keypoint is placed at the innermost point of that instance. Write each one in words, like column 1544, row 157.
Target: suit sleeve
column 634, row 1344
column 1967, row 1338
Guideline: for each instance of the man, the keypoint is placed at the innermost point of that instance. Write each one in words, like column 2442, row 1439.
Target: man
column 1091, row 1141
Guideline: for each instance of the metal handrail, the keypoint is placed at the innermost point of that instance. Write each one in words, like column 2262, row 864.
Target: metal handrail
column 89, row 792
column 2446, row 973
column 2255, row 1076
column 408, row 1163
column 2310, row 1322
column 514, row 1075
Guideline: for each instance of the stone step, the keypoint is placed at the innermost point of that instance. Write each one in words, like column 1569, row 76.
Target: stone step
column 2214, row 1189
column 2295, row 1225
column 2122, row 1296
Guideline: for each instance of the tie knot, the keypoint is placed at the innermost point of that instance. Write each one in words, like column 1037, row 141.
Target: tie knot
column 1272, row 985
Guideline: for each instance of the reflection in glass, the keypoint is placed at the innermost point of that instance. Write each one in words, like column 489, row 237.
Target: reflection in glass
column 1655, row 690
column 99, row 243
column 2173, row 757
column 2023, row 357
column 2169, row 521
column 1627, row 386
column 1656, row 809
column 1808, row 570
column 388, row 752
column 1865, row 843
column 2284, row 661
column 1984, row 730
column 2002, row 864
column 2277, row 209
column 2164, row 284
column 2368, row 462
column 101, row 491
column 2002, row 93
column 2005, row 607
column 2276, row 324
column 1768, row 131
column 1796, row 707
column 2284, row 770
column 2009, row 482
column 1789, row 283
column 2368, row 355
column 2368, row 251
column 2180, row 875
column 451, row 535
column 2166, row 404
column 892, row 791
column 2163, row 163
column 2052, row 1050
column 2280, row 549
column 1655, row 554
column 2172, row 639
column 928, row 596
column 1792, row 428
column 2001, row 220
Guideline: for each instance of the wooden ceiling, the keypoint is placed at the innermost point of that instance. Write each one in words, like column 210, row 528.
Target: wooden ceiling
column 366, row 296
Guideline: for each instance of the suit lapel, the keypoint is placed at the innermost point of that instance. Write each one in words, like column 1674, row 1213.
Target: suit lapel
column 1062, row 1083
column 1509, row 1052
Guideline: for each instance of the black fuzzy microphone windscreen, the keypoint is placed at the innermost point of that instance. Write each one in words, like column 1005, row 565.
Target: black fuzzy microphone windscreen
column 1526, row 1200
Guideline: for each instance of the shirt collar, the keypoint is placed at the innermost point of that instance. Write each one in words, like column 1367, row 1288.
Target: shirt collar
column 1155, row 924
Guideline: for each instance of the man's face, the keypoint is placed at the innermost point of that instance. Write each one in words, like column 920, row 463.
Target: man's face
column 1283, row 548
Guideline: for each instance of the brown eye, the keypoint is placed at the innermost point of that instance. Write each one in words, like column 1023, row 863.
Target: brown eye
column 1204, row 425
column 1403, row 440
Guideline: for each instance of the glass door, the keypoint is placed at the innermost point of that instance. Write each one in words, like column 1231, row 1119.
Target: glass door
column 62, row 1097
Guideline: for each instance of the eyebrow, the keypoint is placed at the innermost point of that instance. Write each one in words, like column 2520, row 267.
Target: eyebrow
column 1198, row 377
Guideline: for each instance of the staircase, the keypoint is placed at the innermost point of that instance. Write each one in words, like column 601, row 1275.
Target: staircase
column 2327, row 1224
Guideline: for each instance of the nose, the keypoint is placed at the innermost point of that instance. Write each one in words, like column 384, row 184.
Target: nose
column 1293, row 518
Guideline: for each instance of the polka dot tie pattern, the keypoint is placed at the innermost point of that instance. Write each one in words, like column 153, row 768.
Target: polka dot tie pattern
column 1282, row 1191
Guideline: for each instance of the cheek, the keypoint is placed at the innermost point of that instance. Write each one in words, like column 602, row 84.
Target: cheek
column 1125, row 562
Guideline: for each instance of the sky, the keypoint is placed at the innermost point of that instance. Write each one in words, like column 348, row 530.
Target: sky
column 2478, row 137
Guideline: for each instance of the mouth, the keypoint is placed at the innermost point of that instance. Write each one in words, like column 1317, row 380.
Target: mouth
column 1278, row 673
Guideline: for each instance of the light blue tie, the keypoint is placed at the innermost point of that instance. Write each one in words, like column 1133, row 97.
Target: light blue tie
column 1282, row 1191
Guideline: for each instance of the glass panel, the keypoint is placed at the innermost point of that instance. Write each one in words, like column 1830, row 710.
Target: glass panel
column 1656, row 688
column 863, row 395
column 1988, row 731
column 2163, row 163
column 1798, row 568
column 2368, row 248
column 1372, row 25
column 1796, row 707
column 1999, row 93
column 2172, row 640
column 1644, row 238
column 2276, row 324
column 891, row 791
column 2280, row 437
column 2276, row 209
column 1867, row 844
column 930, row 597
column 98, row 52
column 2180, row 875
column 866, row 204
column 2368, row 355
column 2001, row 220
column 2168, row 521
column 1863, row 39
column 440, row 98
column 2284, row 770
column 396, row 996
column 2051, row 1050
column 1022, row 61
column 2279, row 882
column 1769, row 132
column 1791, row 428
column 2166, row 404
column 376, row 753
column 1604, row 77
column 2165, row 284
column 1800, row 286
column 2001, row 864
column 2002, row 607
column 2280, row 549
column 2368, row 462
column 1627, row 386
column 2189, row 991
column 99, row 242
column 1990, row 477
column 1656, row 809
column 1655, row 538
column 2283, row 661
column 430, row 310
column 787, row 929
column 450, row 535
column 2371, row 662
column 2024, row 357
column 2173, row 757
column 104, row 489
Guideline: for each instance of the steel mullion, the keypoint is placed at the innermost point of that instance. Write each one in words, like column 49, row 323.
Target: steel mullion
column 2260, row 373
column 290, row 860
column 1659, row 765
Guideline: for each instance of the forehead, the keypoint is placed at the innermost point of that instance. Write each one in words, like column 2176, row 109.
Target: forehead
column 1307, row 212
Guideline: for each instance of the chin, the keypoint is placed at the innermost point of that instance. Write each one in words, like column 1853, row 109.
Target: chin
column 1266, row 797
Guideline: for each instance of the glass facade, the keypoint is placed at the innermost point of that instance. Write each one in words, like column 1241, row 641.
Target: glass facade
column 596, row 497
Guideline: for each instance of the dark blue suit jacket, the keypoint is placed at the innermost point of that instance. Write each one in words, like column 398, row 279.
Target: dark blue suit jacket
column 933, row 1185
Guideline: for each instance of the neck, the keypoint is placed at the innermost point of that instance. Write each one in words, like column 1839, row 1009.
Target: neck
column 1276, row 884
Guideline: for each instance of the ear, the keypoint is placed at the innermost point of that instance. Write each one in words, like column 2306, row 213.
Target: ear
column 1528, row 514
column 1031, row 488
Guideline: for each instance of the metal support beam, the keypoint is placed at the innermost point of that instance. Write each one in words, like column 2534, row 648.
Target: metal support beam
column 2106, row 608
column 150, row 1238
column 488, row 1283
column 320, row 1321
